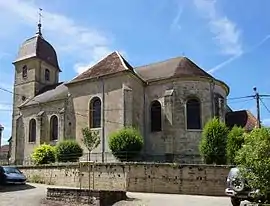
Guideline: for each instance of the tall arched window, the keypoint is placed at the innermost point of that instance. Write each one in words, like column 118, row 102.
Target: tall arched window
column 32, row 130
column 155, row 116
column 95, row 113
column 47, row 74
column 54, row 128
column 193, row 112
column 24, row 71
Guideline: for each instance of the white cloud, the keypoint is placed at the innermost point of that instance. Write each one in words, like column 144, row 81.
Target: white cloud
column 233, row 58
column 84, row 43
column 176, row 21
column 226, row 34
column 98, row 54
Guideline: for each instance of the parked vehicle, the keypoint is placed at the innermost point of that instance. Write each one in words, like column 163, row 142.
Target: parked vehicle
column 238, row 189
column 11, row 175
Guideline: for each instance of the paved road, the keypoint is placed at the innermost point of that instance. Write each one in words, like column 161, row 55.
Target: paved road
column 32, row 194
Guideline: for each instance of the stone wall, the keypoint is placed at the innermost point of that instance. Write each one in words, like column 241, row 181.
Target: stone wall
column 97, row 197
column 135, row 177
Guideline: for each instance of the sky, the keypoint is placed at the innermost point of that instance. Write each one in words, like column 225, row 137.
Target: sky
column 228, row 39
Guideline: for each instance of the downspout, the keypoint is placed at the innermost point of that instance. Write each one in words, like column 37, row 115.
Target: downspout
column 144, row 116
column 103, row 120
column 1, row 130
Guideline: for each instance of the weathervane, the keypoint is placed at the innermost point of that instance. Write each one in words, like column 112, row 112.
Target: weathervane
column 39, row 21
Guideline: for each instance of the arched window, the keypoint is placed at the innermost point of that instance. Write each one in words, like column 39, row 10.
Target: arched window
column 32, row 130
column 54, row 128
column 193, row 112
column 155, row 116
column 24, row 71
column 47, row 74
column 95, row 113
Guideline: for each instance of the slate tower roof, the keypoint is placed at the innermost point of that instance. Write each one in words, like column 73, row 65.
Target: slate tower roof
column 37, row 46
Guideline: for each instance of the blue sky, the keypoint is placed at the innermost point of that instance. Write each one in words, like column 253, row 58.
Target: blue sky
column 230, row 39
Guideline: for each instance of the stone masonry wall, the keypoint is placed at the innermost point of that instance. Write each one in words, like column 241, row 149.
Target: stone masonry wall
column 135, row 177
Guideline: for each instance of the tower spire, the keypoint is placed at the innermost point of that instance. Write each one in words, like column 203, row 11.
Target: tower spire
column 39, row 22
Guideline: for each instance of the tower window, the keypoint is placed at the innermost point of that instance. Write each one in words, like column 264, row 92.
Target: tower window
column 24, row 72
column 47, row 74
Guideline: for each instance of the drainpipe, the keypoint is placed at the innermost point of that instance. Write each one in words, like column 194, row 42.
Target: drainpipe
column 144, row 117
column 1, row 130
column 103, row 120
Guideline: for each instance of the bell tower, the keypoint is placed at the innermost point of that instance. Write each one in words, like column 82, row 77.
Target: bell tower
column 36, row 67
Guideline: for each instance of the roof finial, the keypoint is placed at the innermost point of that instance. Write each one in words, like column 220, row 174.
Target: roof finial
column 39, row 22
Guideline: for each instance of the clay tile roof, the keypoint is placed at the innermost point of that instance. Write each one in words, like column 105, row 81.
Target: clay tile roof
column 112, row 63
column 241, row 118
column 38, row 47
column 175, row 67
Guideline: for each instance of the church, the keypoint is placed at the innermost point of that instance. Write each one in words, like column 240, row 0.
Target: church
column 168, row 101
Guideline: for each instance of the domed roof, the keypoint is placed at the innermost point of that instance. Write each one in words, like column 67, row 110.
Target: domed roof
column 38, row 47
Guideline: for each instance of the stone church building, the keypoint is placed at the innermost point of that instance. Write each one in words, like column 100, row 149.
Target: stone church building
column 168, row 101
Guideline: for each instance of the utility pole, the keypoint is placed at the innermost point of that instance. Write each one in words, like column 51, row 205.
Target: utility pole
column 257, row 97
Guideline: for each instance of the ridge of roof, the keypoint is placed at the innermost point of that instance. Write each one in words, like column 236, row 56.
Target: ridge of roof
column 173, row 67
column 112, row 63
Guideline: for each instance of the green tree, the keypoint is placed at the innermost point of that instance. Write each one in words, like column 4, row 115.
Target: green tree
column 68, row 151
column 91, row 139
column 126, row 143
column 254, row 160
column 234, row 143
column 43, row 154
column 213, row 143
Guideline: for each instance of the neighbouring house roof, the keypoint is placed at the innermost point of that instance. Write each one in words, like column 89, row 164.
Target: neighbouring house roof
column 111, row 64
column 4, row 148
column 38, row 47
column 228, row 109
column 175, row 67
column 241, row 118
column 49, row 93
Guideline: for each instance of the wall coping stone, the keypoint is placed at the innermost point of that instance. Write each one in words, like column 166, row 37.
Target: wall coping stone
column 77, row 165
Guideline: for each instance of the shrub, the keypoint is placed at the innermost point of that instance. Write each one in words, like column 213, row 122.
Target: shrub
column 43, row 154
column 234, row 143
column 254, row 156
column 126, row 143
column 213, row 143
column 68, row 151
